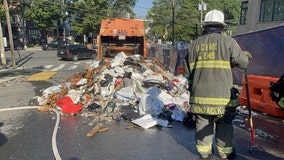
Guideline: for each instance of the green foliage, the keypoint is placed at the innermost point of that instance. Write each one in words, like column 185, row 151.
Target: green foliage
column 231, row 9
column 2, row 12
column 120, row 8
column 86, row 16
column 44, row 13
column 187, row 17
column 17, row 9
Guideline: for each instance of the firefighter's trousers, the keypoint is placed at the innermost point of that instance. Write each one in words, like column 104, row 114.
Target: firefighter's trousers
column 206, row 126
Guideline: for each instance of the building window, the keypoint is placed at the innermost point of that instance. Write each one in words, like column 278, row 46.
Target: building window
column 244, row 12
column 271, row 10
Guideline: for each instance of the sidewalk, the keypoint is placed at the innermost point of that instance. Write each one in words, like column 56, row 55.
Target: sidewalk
column 8, row 53
column 34, row 48
column 10, row 73
column 7, row 79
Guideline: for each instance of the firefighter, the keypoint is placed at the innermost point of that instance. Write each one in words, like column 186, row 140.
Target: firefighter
column 211, row 58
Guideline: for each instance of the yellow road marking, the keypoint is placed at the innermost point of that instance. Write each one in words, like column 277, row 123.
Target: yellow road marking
column 41, row 76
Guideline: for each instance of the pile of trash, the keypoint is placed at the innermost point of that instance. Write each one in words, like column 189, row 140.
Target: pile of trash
column 125, row 87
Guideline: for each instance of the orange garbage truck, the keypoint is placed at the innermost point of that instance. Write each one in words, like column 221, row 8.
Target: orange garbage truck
column 117, row 35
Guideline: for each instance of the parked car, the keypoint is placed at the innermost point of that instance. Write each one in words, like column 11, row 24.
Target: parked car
column 54, row 45
column 75, row 52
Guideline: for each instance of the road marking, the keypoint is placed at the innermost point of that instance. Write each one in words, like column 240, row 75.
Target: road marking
column 41, row 76
column 59, row 67
column 72, row 67
column 47, row 66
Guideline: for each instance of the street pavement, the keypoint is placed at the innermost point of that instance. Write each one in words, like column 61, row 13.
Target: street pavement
column 27, row 134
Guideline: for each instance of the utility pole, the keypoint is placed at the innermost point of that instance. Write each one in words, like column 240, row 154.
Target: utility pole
column 63, row 22
column 2, row 49
column 10, row 33
column 173, row 21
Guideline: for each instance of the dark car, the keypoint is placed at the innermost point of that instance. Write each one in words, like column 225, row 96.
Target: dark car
column 75, row 52
column 54, row 45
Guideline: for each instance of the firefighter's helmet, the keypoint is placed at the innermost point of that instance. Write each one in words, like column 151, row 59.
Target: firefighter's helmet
column 214, row 17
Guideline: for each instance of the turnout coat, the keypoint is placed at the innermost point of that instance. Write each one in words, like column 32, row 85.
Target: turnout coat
column 210, row 60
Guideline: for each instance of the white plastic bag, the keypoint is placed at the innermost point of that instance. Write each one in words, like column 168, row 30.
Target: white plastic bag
column 53, row 89
column 150, row 102
column 119, row 59
column 126, row 93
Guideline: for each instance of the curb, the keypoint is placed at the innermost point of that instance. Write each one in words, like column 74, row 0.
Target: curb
column 7, row 79
column 12, row 77
column 33, row 49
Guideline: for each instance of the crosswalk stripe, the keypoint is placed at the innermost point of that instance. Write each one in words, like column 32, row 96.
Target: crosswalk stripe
column 59, row 67
column 47, row 66
column 69, row 66
column 72, row 67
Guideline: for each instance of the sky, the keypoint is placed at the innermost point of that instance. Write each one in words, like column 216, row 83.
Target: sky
column 141, row 8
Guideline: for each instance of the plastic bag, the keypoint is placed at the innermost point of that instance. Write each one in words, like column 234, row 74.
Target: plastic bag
column 68, row 106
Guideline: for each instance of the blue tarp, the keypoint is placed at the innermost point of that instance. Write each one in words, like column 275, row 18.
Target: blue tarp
column 267, row 49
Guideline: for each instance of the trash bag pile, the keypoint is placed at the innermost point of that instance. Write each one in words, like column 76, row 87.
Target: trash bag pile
column 125, row 87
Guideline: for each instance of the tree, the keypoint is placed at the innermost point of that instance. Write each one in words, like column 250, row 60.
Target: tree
column 44, row 14
column 15, row 8
column 186, row 20
column 231, row 9
column 121, row 8
column 187, row 17
column 86, row 16
column 159, row 13
column 2, row 11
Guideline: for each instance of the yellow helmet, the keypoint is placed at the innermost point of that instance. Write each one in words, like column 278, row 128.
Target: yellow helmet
column 214, row 17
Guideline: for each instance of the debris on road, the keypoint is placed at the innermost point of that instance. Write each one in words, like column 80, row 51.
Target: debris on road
column 126, row 87
column 103, row 130
column 96, row 129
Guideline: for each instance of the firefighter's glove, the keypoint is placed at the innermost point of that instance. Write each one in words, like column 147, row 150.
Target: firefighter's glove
column 249, row 55
column 230, row 113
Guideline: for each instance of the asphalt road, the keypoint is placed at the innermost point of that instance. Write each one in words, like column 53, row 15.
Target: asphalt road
column 27, row 134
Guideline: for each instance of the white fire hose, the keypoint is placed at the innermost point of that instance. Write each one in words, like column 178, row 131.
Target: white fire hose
column 54, row 146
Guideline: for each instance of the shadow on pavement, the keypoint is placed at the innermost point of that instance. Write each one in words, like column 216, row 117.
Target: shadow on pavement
column 3, row 138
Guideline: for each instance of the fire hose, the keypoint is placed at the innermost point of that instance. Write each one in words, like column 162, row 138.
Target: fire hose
column 54, row 146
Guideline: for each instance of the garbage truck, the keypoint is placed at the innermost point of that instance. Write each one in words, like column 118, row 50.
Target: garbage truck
column 117, row 35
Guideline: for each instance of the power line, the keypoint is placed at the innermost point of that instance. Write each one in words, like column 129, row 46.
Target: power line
column 142, row 7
